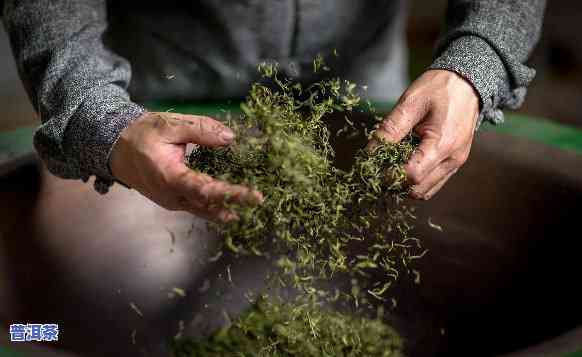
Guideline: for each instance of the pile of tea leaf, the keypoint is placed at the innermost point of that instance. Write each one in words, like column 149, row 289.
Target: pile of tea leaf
column 275, row 329
column 317, row 221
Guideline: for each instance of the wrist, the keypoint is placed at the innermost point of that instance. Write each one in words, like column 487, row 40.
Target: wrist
column 477, row 62
column 121, row 151
column 466, row 87
column 456, row 84
column 115, row 160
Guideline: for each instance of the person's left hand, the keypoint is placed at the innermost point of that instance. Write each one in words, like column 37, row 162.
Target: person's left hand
column 442, row 108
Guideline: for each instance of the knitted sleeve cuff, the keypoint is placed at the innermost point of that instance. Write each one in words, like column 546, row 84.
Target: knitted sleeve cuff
column 96, row 136
column 475, row 60
column 89, row 138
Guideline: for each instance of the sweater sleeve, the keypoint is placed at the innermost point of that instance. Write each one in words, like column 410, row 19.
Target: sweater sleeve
column 77, row 85
column 487, row 43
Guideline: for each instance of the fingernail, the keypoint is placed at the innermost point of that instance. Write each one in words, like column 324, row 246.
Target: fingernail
column 227, row 216
column 415, row 194
column 227, row 135
column 372, row 144
column 259, row 197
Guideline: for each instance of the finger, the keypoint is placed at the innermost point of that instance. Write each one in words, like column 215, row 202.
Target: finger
column 227, row 216
column 205, row 131
column 207, row 190
column 222, row 215
column 436, row 188
column 424, row 160
column 219, row 192
column 439, row 175
column 403, row 118
column 209, row 200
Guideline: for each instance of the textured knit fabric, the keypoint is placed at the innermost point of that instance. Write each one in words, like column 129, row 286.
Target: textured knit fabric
column 77, row 86
column 487, row 43
column 74, row 58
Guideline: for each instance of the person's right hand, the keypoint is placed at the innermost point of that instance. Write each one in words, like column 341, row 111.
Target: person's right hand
column 149, row 157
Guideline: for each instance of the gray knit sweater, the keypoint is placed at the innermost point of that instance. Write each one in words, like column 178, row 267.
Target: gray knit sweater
column 80, row 60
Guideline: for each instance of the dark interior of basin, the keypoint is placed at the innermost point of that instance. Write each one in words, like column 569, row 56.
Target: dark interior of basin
column 501, row 276
column 503, row 273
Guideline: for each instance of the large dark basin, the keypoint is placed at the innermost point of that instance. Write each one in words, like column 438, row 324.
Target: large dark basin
column 502, row 277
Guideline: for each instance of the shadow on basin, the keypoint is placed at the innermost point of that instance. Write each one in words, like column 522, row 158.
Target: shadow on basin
column 503, row 274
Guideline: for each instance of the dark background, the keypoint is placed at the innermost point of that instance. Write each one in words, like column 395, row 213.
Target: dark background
column 556, row 92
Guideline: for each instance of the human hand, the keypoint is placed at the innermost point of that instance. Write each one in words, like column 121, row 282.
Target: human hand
column 149, row 157
column 442, row 108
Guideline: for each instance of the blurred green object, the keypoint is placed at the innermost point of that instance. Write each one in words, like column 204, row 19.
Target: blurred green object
column 540, row 130
column 200, row 108
column 6, row 352
column 575, row 354
column 16, row 143
column 9, row 352
column 25, row 349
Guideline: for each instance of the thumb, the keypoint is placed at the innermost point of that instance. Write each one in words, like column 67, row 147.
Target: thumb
column 196, row 129
column 403, row 118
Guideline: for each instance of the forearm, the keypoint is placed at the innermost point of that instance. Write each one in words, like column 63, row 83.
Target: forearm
column 75, row 83
column 487, row 43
